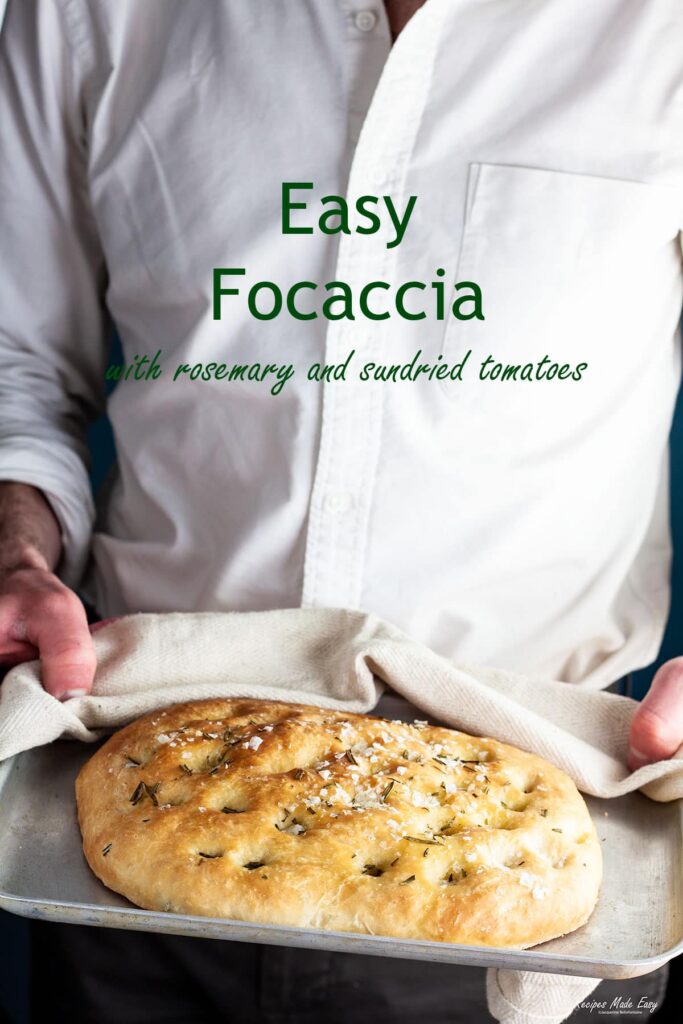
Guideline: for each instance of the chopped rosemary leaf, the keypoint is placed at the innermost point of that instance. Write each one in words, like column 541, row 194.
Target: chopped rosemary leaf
column 185, row 768
column 427, row 842
column 131, row 760
column 555, row 829
column 209, row 856
column 350, row 757
column 143, row 789
column 385, row 793
column 544, row 812
column 230, row 810
column 152, row 792
column 106, row 849
column 137, row 794
column 410, row 878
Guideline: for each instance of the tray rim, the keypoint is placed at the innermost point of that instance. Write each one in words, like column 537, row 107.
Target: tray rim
column 533, row 959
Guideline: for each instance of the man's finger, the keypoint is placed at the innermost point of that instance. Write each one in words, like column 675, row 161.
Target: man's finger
column 657, row 726
column 15, row 652
column 60, row 631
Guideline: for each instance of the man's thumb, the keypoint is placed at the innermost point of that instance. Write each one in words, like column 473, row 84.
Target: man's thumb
column 657, row 725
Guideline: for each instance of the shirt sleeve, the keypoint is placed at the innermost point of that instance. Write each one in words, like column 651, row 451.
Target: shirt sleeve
column 54, row 331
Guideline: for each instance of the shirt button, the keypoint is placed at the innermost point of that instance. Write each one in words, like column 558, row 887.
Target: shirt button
column 338, row 502
column 365, row 21
column 380, row 177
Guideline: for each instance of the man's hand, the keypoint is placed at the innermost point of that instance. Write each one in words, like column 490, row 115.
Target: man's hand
column 657, row 726
column 39, row 616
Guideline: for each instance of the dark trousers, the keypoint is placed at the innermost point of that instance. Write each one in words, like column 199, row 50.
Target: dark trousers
column 102, row 976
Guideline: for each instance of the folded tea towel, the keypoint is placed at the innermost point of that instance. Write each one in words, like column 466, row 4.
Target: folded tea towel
column 344, row 659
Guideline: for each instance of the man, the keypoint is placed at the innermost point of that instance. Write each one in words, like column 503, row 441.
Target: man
column 513, row 518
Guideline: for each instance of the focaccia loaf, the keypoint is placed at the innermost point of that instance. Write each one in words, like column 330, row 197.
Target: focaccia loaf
column 292, row 815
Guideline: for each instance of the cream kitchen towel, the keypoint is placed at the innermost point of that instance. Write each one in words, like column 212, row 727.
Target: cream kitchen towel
column 342, row 659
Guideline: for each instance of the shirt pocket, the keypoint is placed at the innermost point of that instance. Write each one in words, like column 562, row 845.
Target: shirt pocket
column 559, row 258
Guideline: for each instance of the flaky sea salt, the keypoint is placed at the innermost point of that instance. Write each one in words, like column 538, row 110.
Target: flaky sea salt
column 254, row 743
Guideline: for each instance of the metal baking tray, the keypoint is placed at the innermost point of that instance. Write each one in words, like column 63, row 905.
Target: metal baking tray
column 636, row 927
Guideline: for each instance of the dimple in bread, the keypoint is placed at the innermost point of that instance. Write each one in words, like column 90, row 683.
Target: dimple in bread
column 285, row 814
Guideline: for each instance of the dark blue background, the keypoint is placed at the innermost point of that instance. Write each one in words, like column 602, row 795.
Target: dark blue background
column 13, row 930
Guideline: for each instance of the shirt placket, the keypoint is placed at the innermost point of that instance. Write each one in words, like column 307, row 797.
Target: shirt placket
column 351, row 424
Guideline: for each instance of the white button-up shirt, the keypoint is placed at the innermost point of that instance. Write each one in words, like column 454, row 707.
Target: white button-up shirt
column 514, row 522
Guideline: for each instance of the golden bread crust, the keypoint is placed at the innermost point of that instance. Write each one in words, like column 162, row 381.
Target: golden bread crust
column 298, row 816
